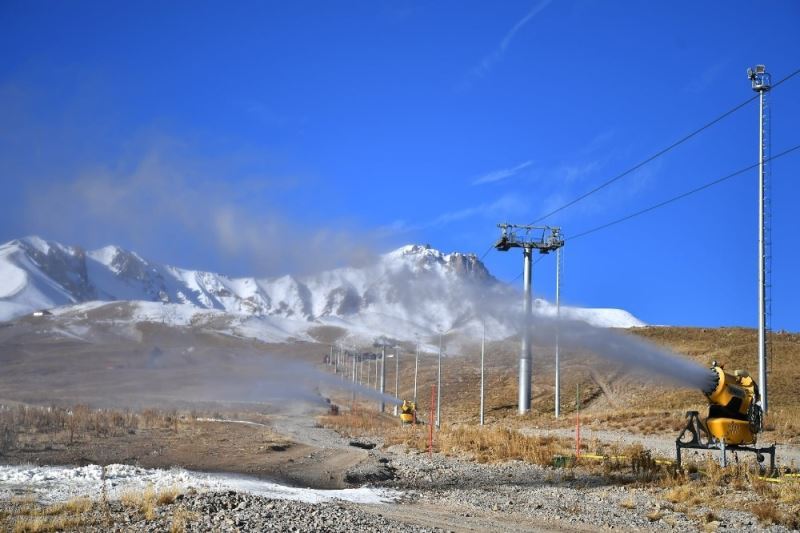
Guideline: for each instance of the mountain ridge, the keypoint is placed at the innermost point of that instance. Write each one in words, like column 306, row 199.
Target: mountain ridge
column 414, row 283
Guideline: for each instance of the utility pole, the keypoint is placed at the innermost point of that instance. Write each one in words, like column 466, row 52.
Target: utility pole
column 558, row 326
column 483, row 351
column 383, row 376
column 760, row 81
column 396, row 377
column 545, row 239
column 416, row 369
column 439, row 383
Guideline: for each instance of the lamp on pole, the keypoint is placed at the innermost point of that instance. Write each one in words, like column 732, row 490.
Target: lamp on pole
column 761, row 83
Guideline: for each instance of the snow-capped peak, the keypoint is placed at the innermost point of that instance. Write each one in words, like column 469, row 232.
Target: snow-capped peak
column 422, row 257
column 106, row 254
column 408, row 289
column 35, row 244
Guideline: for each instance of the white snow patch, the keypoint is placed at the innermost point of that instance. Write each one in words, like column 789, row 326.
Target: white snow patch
column 104, row 256
column 227, row 421
column 11, row 310
column 60, row 483
column 12, row 279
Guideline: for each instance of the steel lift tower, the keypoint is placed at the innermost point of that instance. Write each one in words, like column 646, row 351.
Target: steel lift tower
column 382, row 343
column 761, row 82
column 545, row 239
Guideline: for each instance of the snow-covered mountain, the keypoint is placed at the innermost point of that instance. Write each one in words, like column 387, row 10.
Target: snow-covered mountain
column 414, row 290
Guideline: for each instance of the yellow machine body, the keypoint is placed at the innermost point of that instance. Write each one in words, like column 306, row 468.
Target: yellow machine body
column 734, row 418
column 408, row 412
column 732, row 407
column 730, row 430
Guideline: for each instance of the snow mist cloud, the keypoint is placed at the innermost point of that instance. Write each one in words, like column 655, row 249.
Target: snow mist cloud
column 167, row 205
column 501, row 308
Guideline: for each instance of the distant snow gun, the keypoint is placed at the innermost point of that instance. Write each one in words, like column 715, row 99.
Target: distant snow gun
column 734, row 418
column 408, row 412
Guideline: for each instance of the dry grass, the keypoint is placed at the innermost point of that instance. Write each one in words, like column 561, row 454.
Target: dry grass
column 359, row 422
column 768, row 513
column 28, row 506
column 39, row 524
column 628, row 504
column 28, row 516
column 168, row 495
column 490, row 444
column 180, row 518
column 146, row 500
column 655, row 515
column 737, row 487
column 683, row 494
column 27, row 426
column 482, row 444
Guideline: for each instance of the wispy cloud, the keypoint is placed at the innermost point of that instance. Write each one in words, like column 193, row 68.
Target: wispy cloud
column 573, row 172
column 707, row 77
column 161, row 200
column 574, row 179
column 501, row 174
column 504, row 206
column 497, row 54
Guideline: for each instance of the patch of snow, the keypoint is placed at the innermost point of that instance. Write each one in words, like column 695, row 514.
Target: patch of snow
column 12, row 279
column 38, row 243
column 104, row 256
column 60, row 483
column 12, row 310
column 228, row 421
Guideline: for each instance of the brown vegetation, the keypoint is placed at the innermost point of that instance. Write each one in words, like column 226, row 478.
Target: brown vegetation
column 22, row 426
column 29, row 516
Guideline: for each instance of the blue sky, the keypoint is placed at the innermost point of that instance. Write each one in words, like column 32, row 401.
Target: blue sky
column 273, row 137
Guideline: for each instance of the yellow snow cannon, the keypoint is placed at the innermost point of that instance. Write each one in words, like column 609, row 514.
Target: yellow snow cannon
column 408, row 412
column 734, row 414
column 734, row 417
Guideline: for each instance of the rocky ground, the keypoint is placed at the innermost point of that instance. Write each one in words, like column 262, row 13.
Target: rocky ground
column 216, row 511
column 436, row 494
column 516, row 496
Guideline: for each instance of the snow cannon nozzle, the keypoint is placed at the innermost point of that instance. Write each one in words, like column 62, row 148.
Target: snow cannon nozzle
column 713, row 379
